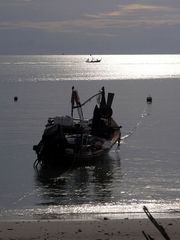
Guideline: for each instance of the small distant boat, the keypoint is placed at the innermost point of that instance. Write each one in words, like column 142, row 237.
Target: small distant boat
column 93, row 60
column 68, row 141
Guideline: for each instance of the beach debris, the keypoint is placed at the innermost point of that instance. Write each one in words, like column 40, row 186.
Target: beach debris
column 147, row 236
column 156, row 224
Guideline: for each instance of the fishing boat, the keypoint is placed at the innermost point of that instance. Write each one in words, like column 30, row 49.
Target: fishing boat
column 93, row 60
column 67, row 140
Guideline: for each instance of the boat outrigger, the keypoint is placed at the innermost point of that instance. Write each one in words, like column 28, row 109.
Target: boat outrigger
column 67, row 140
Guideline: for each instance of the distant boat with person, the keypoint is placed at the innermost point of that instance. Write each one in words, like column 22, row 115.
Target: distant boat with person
column 91, row 59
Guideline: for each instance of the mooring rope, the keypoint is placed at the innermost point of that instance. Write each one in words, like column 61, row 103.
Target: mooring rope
column 144, row 114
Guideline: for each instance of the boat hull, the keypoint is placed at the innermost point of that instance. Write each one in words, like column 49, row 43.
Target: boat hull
column 86, row 156
column 71, row 160
column 69, row 156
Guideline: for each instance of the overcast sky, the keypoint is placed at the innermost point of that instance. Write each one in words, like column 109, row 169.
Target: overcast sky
column 89, row 26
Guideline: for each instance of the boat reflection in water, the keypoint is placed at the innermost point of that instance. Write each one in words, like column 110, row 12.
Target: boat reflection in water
column 90, row 184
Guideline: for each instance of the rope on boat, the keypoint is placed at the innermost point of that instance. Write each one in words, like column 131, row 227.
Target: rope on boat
column 36, row 163
column 88, row 100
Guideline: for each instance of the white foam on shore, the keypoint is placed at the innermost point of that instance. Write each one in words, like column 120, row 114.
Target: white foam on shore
column 89, row 212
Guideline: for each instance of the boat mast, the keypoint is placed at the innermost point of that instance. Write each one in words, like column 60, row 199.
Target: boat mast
column 76, row 100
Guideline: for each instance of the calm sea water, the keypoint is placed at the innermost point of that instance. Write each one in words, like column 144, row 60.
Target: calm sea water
column 146, row 169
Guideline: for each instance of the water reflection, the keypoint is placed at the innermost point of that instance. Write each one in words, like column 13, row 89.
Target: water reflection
column 80, row 185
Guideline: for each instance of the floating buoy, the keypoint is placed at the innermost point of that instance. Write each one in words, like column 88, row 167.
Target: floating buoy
column 15, row 99
column 149, row 99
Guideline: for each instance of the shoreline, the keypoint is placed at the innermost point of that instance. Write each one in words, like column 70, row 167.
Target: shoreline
column 99, row 229
column 81, row 214
column 85, row 216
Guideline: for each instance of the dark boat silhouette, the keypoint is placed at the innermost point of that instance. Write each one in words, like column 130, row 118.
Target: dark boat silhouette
column 67, row 140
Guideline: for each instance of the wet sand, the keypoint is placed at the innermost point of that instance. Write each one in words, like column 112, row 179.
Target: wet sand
column 102, row 229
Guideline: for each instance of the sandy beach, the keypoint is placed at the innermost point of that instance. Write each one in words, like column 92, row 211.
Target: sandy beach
column 102, row 229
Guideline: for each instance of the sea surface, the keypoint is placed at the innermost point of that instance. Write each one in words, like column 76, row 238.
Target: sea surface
column 144, row 171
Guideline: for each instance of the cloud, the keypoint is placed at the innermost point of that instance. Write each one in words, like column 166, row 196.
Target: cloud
column 144, row 7
column 13, row 2
column 140, row 8
column 130, row 15
column 124, row 16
